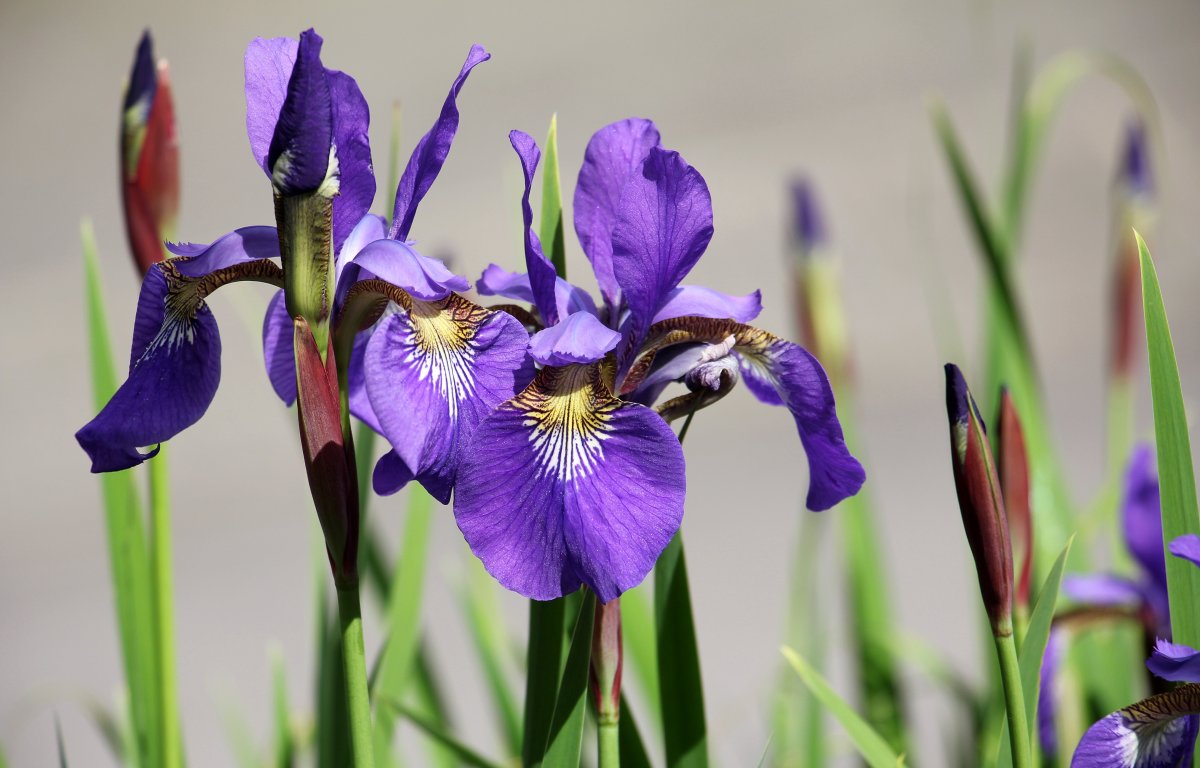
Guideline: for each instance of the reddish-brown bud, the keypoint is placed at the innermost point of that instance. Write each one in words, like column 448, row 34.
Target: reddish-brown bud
column 1012, row 464
column 981, row 502
column 328, row 453
column 149, row 158
column 607, row 661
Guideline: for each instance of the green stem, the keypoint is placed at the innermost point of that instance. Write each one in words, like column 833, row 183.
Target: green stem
column 609, row 740
column 354, row 660
column 1014, row 700
column 164, row 624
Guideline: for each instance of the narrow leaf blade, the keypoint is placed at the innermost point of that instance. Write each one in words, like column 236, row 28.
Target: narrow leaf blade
column 564, row 744
column 681, row 691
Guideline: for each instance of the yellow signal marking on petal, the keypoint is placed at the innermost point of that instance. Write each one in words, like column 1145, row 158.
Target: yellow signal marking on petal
column 568, row 409
column 440, row 344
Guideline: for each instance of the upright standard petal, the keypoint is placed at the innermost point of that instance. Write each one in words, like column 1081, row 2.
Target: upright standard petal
column 613, row 155
column 1158, row 732
column 269, row 66
column 175, row 366
column 430, row 154
column 664, row 225
column 565, row 484
column 301, row 154
column 542, row 275
column 434, row 370
column 581, row 338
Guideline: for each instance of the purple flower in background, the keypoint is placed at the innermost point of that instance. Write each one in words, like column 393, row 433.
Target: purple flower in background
column 1158, row 732
column 1141, row 518
column 577, row 480
column 1144, row 595
column 339, row 271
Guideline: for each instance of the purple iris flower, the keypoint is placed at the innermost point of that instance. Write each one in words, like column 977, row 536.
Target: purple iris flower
column 578, row 479
column 1145, row 594
column 308, row 130
column 1158, row 732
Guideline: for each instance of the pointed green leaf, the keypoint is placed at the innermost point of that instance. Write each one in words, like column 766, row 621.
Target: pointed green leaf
column 681, row 692
column 128, row 554
column 1033, row 648
column 544, row 654
column 465, row 754
column 492, row 647
column 1176, row 479
column 550, row 232
column 285, row 740
column 632, row 749
column 403, row 615
column 866, row 740
column 637, row 629
column 564, row 743
column 332, row 720
column 244, row 752
column 58, row 738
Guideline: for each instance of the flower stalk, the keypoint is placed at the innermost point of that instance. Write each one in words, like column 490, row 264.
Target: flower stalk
column 607, row 662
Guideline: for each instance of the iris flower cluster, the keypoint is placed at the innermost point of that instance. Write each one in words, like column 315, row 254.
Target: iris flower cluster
column 560, row 458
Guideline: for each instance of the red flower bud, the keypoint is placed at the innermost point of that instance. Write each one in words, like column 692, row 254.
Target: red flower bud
column 980, row 501
column 607, row 661
column 149, row 158
column 1012, row 464
column 328, row 453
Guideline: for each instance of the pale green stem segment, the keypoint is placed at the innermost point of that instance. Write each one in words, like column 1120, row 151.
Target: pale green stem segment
column 354, row 659
column 164, row 618
column 1014, row 700
column 609, row 741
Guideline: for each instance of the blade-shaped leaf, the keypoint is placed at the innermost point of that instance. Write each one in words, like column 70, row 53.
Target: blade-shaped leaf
column 681, row 692
column 564, row 744
column 333, row 721
column 632, row 749
column 1033, row 648
column 493, row 648
column 465, row 754
column 125, row 528
column 866, row 740
column 58, row 739
column 403, row 613
column 550, row 231
column 637, row 629
column 544, row 654
column 1176, row 479
column 285, row 740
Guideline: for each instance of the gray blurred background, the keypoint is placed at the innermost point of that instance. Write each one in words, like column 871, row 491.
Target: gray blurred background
column 750, row 94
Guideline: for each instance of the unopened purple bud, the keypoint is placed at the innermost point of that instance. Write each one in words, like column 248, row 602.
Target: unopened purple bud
column 1136, row 173
column 301, row 153
column 980, row 501
column 149, row 157
column 808, row 226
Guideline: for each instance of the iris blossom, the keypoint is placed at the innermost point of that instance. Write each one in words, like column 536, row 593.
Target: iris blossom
column 339, row 270
column 577, row 479
column 1158, row 732
column 1100, row 595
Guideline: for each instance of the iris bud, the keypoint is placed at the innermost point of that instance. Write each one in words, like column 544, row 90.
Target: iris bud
column 716, row 368
column 1012, row 464
column 1133, row 208
column 607, row 661
column 980, row 501
column 821, row 316
column 328, row 453
column 149, row 157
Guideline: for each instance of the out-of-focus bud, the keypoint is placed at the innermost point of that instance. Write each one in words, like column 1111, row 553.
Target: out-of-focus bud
column 1012, row 464
column 328, row 454
column 149, row 157
column 607, row 661
column 1133, row 208
column 981, row 502
column 817, row 286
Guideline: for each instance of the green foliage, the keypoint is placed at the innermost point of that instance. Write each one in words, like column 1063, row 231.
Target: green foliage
column 551, row 230
column 564, row 742
column 1176, row 479
column 493, row 647
column 867, row 741
column 681, row 692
